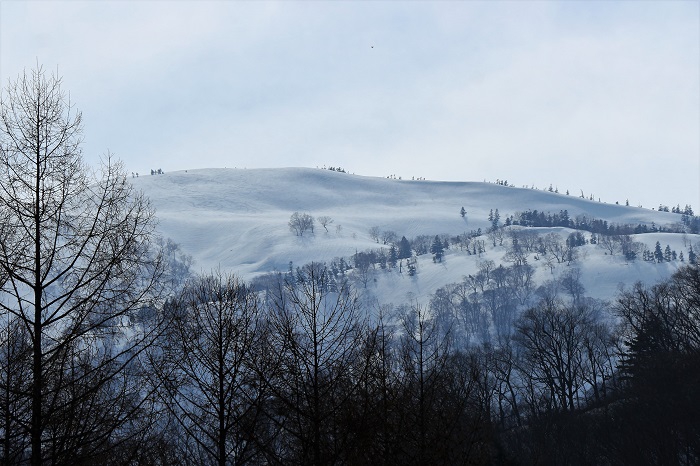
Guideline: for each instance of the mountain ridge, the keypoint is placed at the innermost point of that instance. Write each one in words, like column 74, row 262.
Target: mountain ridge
column 237, row 220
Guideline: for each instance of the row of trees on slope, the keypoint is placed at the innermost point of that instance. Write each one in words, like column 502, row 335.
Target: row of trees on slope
column 535, row 218
column 687, row 210
column 521, row 244
column 522, row 247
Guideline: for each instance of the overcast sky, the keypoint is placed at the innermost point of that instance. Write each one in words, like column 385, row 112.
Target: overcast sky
column 598, row 96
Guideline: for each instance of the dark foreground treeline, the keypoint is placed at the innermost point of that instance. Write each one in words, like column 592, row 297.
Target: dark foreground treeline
column 300, row 374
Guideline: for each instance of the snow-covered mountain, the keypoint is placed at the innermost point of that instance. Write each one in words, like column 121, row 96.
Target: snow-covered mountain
column 237, row 220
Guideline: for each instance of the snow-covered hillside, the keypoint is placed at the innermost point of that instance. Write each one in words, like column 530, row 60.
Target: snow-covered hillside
column 237, row 220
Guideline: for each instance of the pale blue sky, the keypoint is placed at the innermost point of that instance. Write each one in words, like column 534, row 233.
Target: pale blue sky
column 597, row 96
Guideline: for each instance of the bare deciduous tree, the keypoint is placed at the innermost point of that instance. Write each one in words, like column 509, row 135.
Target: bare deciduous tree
column 521, row 281
column 76, row 252
column 553, row 353
column 610, row 243
column 207, row 371
column 300, row 223
column 325, row 220
column 374, row 233
column 486, row 267
column 555, row 246
column 571, row 283
column 516, row 253
column 424, row 353
column 388, row 237
column 315, row 338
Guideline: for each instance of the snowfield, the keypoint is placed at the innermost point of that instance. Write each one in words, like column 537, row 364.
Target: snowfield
column 237, row 220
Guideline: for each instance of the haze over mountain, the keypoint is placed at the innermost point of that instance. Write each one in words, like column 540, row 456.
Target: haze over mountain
column 237, row 220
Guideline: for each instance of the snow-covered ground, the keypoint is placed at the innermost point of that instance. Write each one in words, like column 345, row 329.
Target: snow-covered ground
column 237, row 220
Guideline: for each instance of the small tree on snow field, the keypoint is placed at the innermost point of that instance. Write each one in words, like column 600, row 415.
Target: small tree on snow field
column 325, row 220
column 388, row 237
column 393, row 256
column 405, row 251
column 300, row 223
column 437, row 249
column 658, row 253
column 374, row 233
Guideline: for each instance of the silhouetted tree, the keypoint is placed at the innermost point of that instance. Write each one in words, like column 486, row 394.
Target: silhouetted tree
column 208, row 373
column 314, row 342
column 404, row 248
column 81, row 273
column 661, row 367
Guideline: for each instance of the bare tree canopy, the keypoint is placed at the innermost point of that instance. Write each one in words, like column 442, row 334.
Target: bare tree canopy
column 208, row 373
column 325, row 220
column 301, row 222
column 79, row 273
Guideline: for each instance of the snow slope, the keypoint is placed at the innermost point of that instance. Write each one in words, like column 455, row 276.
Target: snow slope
column 237, row 220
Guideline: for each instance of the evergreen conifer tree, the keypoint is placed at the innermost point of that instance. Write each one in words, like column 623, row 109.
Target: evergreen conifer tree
column 404, row 248
column 393, row 256
column 658, row 253
column 667, row 253
column 437, row 249
column 411, row 269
